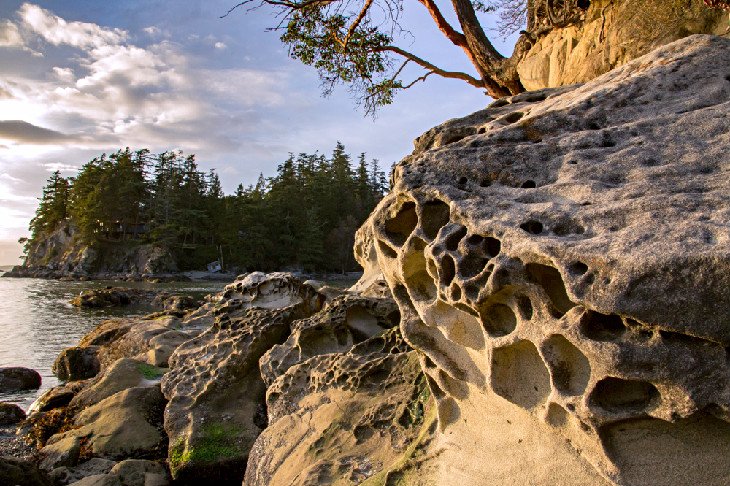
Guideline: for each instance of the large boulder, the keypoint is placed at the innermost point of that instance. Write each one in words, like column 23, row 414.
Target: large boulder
column 127, row 424
column 16, row 378
column 215, row 390
column 346, row 400
column 77, row 363
column 562, row 261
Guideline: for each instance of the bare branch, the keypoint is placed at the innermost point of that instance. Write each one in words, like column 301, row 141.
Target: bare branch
column 457, row 38
column 436, row 70
column 418, row 79
column 357, row 21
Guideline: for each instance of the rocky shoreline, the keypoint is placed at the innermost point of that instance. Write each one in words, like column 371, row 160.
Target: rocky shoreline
column 187, row 395
column 44, row 272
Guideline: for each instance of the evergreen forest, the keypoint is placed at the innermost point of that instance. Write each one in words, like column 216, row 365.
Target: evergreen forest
column 304, row 217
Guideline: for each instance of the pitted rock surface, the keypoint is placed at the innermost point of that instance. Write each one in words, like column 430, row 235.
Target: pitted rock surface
column 562, row 260
column 345, row 322
column 215, row 390
column 348, row 401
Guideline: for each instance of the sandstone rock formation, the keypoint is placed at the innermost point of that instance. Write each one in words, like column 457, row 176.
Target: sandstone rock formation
column 63, row 254
column 562, row 262
column 263, row 355
column 607, row 35
column 346, row 398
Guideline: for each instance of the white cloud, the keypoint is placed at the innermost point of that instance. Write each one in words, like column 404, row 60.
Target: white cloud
column 64, row 74
column 58, row 31
column 220, row 45
column 10, row 35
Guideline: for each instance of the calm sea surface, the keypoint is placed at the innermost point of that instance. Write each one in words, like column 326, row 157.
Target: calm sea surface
column 37, row 322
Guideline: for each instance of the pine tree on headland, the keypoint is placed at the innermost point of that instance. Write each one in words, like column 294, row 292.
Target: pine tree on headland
column 304, row 216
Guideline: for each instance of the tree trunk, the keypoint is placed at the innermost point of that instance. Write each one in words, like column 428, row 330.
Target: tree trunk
column 498, row 73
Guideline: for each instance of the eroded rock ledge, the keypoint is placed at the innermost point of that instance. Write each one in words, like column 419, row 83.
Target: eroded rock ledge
column 561, row 261
column 306, row 384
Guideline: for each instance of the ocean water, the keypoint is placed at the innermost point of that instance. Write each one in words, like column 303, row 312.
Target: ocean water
column 37, row 322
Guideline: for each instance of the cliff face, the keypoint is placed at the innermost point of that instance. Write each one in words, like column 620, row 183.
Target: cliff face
column 63, row 254
column 561, row 261
column 609, row 34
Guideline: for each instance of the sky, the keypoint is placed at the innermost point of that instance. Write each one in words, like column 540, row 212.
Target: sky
column 82, row 77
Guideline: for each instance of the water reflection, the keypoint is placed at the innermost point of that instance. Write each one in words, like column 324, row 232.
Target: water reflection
column 37, row 322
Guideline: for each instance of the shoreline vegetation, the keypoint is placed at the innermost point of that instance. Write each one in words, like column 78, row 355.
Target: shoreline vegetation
column 133, row 215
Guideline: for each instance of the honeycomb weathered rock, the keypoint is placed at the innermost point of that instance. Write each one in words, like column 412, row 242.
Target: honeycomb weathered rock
column 562, row 261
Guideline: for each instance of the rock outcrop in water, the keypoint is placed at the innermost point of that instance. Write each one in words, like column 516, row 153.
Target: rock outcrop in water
column 561, row 260
column 63, row 254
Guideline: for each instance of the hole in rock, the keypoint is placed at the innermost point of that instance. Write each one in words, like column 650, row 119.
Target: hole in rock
column 570, row 369
column 519, row 374
column 498, row 320
column 454, row 388
column 455, row 292
column 688, row 452
column 525, row 306
column 573, row 162
column 475, row 240
column 435, row 216
column 513, row 117
column 436, row 390
column 682, row 339
column 420, row 284
column 453, row 138
column 566, row 228
column 472, row 293
column 400, row 294
column 578, row 268
column 362, row 322
column 481, row 130
column 550, row 280
column 462, row 181
column 601, row 327
column 448, row 270
column 386, row 250
column 485, row 183
column 528, row 185
column 452, row 241
column 645, row 334
column 402, row 225
column 556, row 415
column 471, row 265
column 393, row 318
column 533, row 227
column 493, row 246
column 583, row 4
column 591, row 125
column 362, row 434
column 618, row 395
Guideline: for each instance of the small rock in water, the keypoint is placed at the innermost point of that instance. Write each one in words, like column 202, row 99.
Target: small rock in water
column 16, row 379
column 10, row 413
